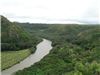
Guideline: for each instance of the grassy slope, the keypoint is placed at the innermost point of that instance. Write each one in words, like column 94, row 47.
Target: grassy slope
column 9, row 58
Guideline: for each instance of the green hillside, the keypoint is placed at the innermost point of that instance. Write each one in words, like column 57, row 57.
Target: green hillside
column 16, row 43
column 89, row 39
column 76, row 50
column 14, row 37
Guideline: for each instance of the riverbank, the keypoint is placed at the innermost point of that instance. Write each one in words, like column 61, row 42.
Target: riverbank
column 43, row 49
column 10, row 58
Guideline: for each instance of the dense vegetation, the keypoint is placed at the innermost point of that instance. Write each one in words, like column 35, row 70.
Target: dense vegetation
column 76, row 50
column 10, row 58
column 14, row 37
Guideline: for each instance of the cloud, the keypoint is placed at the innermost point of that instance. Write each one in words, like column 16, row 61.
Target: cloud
column 50, row 10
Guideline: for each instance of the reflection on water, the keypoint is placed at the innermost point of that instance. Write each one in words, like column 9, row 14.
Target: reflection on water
column 43, row 49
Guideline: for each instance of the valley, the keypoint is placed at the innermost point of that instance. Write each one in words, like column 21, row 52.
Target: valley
column 76, row 48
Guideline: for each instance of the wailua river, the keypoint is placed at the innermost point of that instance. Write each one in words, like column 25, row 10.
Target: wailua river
column 43, row 49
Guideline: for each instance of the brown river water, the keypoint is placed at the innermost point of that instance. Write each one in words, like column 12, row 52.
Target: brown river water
column 43, row 48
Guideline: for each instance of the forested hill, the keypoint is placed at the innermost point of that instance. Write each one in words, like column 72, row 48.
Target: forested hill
column 76, row 50
column 14, row 37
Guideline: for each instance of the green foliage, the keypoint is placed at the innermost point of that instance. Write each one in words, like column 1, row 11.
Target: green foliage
column 14, row 37
column 76, row 49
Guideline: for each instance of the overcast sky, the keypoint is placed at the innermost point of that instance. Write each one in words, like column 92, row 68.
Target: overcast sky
column 51, row 11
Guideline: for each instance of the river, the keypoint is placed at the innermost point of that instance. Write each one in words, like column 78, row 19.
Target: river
column 42, row 49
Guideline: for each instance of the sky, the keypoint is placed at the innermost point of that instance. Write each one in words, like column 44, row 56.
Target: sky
column 51, row 11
